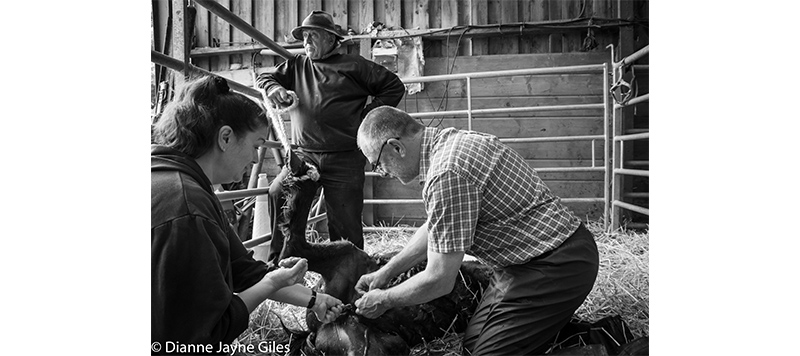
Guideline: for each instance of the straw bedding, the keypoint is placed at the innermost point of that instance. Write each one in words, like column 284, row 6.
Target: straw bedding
column 621, row 288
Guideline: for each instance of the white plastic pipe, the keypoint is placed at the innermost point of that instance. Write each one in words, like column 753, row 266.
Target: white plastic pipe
column 261, row 219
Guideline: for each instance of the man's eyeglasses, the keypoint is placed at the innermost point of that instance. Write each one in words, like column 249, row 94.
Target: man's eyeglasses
column 376, row 167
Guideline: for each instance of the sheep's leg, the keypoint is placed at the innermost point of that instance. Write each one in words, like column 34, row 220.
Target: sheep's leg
column 299, row 198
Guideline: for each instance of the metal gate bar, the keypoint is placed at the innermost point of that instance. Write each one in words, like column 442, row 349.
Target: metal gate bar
column 609, row 117
column 619, row 139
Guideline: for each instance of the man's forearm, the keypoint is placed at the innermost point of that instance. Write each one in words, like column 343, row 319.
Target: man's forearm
column 436, row 280
column 420, row 288
column 412, row 254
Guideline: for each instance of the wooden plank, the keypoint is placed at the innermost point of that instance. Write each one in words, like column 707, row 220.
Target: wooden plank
column 435, row 66
column 434, row 48
column 554, row 11
column 532, row 11
column 585, row 10
column 414, row 105
column 464, row 18
column 244, row 10
column 338, row 10
column 576, row 84
column 510, row 128
column 505, row 12
column 493, row 10
column 220, row 33
column 161, row 38
column 264, row 21
column 586, row 211
column 420, row 14
column 407, row 9
column 569, row 10
column 286, row 18
column 392, row 13
column 602, row 9
column 555, row 150
column 305, row 7
column 161, row 13
column 380, row 11
column 179, row 42
column 365, row 15
column 479, row 15
column 202, row 36
column 449, row 18
column 365, row 48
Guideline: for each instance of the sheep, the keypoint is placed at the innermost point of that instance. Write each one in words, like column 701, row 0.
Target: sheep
column 340, row 265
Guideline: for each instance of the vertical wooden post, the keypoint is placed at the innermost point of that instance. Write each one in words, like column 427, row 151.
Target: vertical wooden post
column 509, row 13
column 435, row 48
column 449, row 16
column 202, row 34
column 244, row 10
column 286, row 20
column 366, row 14
column 533, row 11
column 570, row 10
column 420, row 14
column 181, row 39
column 392, row 12
column 622, row 184
column 479, row 15
column 221, row 32
column 365, row 48
column 602, row 8
column 554, row 10
column 264, row 22
column 464, row 18
column 338, row 9
column 162, row 18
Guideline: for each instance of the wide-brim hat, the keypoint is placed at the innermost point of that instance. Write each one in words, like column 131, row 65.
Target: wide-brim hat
column 319, row 20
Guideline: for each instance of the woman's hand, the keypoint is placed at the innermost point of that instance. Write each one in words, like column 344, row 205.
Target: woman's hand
column 327, row 308
column 292, row 271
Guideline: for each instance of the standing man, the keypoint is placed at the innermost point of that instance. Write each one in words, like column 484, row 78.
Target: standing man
column 332, row 90
column 481, row 198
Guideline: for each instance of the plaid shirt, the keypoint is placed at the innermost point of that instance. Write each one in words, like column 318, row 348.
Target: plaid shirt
column 482, row 198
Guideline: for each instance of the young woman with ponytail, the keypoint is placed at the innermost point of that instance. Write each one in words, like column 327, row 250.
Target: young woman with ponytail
column 204, row 283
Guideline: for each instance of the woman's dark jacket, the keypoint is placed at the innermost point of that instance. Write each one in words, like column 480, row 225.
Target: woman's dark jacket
column 198, row 261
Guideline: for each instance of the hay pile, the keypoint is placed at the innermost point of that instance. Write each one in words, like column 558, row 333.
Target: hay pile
column 623, row 281
column 622, row 288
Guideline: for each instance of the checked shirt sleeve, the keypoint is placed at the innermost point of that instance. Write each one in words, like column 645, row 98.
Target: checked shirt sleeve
column 452, row 203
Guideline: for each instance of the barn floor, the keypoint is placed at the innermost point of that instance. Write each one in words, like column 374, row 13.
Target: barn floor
column 622, row 288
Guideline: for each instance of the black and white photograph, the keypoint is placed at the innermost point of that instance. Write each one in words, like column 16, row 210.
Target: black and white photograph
column 400, row 177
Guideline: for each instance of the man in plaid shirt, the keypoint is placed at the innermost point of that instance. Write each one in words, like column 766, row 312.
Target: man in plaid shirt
column 481, row 198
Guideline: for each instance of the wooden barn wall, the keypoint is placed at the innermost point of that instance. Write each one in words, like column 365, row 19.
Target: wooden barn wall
column 459, row 54
column 516, row 91
column 277, row 18
column 498, row 93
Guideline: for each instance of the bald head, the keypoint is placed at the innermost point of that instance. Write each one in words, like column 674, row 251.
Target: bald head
column 384, row 122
